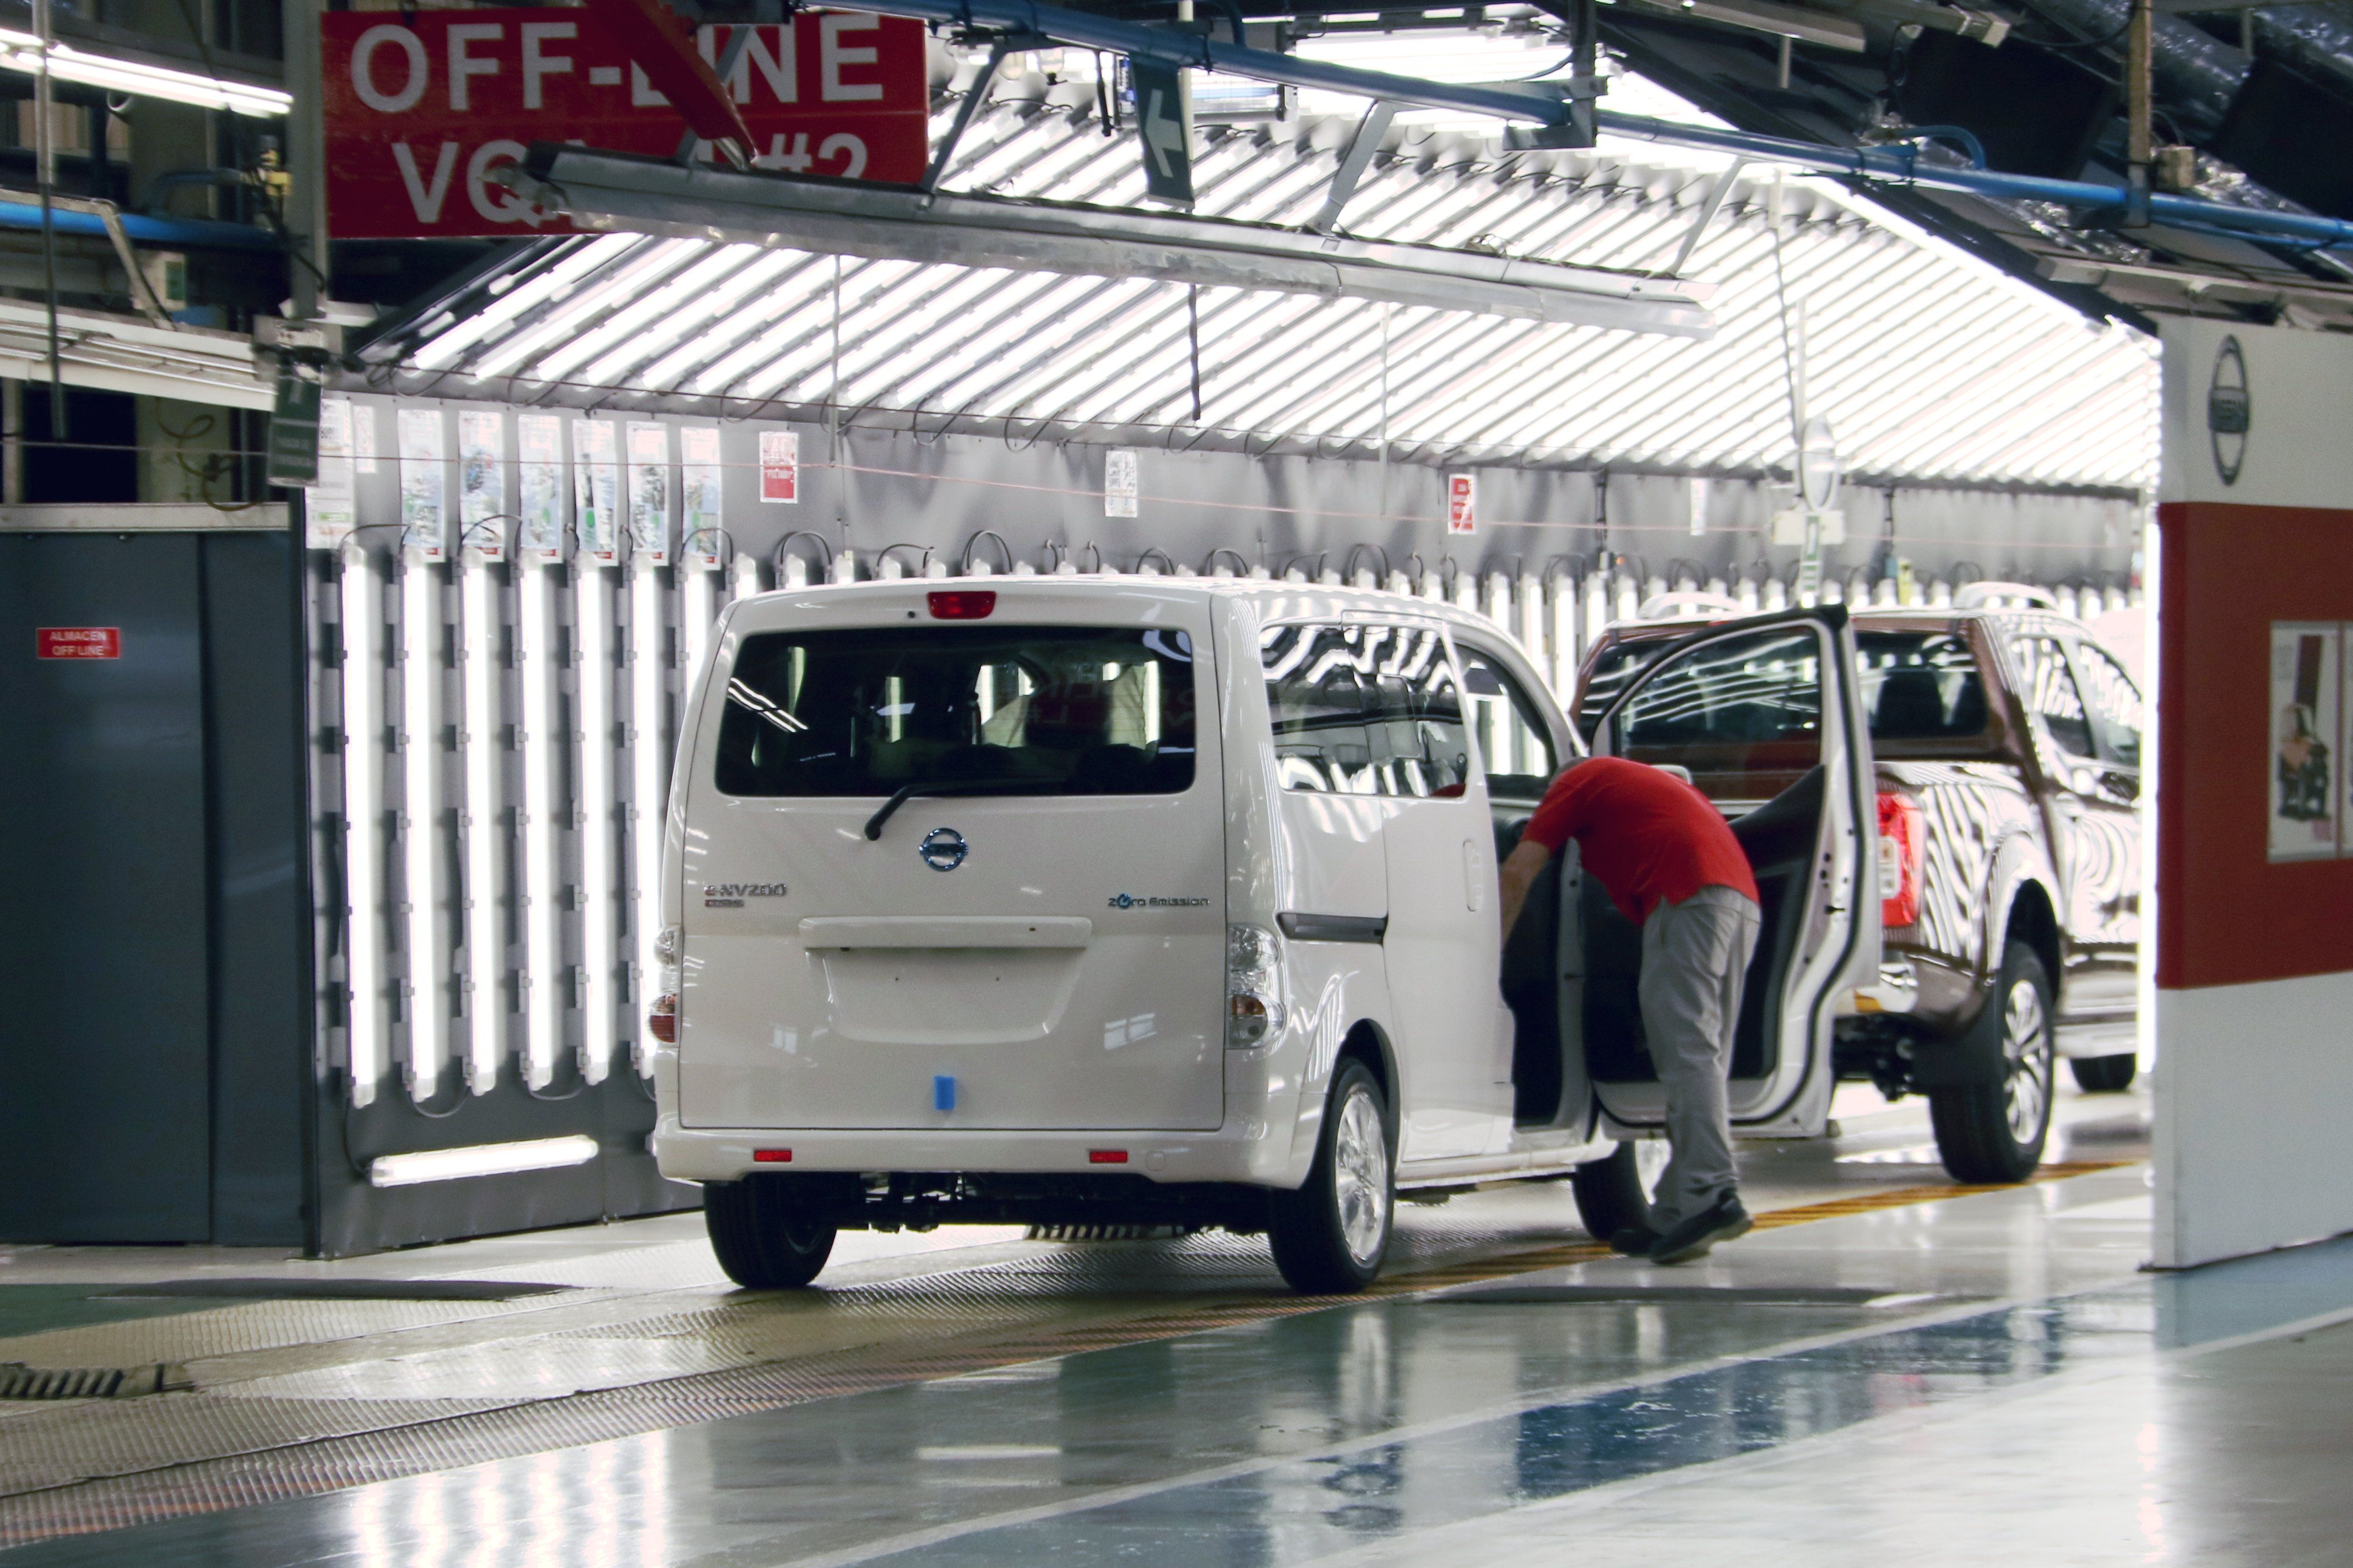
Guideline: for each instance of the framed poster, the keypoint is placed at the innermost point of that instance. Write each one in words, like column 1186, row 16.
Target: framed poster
column 483, row 481
column 2307, row 682
column 540, row 535
column 424, row 484
column 698, row 473
column 332, row 509
column 649, row 493
column 596, row 489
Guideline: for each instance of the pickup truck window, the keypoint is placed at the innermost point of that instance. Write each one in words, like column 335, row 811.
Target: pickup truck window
column 1047, row 710
column 2114, row 706
column 1920, row 686
column 1363, row 709
column 2051, row 694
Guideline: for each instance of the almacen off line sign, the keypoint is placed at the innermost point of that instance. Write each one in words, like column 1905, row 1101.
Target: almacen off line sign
column 422, row 106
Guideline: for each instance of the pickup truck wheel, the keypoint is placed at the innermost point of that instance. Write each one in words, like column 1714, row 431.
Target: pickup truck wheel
column 1330, row 1236
column 761, row 1242
column 1615, row 1194
column 1995, row 1132
column 2104, row 1075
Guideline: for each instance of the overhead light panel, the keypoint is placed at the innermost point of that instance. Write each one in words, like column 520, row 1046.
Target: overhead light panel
column 24, row 52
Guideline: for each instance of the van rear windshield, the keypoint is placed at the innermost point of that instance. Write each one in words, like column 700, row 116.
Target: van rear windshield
column 866, row 711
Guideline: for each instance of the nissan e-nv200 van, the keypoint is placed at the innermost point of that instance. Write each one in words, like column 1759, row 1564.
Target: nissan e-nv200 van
column 1138, row 901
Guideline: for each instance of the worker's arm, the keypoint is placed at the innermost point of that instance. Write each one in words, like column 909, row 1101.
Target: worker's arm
column 1520, row 870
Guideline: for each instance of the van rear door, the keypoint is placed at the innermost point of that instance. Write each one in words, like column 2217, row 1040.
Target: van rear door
column 1766, row 714
column 1031, row 937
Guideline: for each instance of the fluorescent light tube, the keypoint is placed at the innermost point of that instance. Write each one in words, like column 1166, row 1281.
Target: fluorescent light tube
column 649, row 789
column 482, row 1160
column 543, row 1001
column 599, row 954
column 22, row 51
column 361, row 607
column 478, row 648
column 420, row 815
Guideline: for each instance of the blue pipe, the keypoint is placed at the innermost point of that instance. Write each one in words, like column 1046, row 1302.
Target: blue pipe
column 1895, row 165
column 195, row 233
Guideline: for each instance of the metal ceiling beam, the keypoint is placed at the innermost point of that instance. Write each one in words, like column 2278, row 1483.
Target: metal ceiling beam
column 617, row 190
column 1526, row 104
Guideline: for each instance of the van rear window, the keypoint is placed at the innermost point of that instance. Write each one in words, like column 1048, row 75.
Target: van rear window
column 866, row 711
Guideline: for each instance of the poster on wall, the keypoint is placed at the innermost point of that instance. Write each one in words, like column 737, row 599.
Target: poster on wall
column 697, row 472
column 424, row 484
column 596, row 489
column 1462, row 504
column 482, row 481
column 2306, row 736
column 331, row 507
column 780, row 466
column 540, row 536
column 649, row 493
column 1122, row 483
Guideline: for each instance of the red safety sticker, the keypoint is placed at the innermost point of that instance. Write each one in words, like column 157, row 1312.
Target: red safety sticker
column 79, row 642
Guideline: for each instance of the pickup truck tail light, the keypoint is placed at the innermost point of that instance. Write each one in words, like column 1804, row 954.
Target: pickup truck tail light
column 1903, row 837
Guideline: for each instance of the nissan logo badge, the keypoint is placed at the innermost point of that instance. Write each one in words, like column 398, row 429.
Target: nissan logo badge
column 944, row 849
column 2229, row 411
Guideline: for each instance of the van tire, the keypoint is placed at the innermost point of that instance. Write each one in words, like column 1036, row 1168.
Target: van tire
column 1611, row 1194
column 2104, row 1075
column 759, row 1240
column 1994, row 1132
column 1351, row 1189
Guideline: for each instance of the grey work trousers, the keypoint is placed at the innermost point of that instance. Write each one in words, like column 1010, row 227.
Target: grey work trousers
column 1694, row 957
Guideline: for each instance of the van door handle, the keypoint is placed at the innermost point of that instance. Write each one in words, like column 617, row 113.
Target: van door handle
column 1474, row 889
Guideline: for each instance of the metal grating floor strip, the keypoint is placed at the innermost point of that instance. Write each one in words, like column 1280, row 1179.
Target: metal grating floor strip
column 429, row 1435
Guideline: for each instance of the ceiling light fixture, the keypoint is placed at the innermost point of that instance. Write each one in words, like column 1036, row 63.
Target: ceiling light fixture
column 24, row 52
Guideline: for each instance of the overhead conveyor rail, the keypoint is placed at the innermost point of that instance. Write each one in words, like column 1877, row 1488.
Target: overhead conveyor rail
column 1528, row 104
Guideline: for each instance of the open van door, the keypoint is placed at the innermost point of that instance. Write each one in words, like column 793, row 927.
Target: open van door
column 1766, row 715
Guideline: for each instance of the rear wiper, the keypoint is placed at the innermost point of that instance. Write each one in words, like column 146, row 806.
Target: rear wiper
column 906, row 793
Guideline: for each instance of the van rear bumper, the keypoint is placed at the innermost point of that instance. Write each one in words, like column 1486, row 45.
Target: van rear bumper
column 1253, row 1154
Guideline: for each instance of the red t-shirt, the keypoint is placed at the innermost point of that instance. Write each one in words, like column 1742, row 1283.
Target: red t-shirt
column 1646, row 834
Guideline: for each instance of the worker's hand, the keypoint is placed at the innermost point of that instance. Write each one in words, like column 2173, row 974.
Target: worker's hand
column 1520, row 870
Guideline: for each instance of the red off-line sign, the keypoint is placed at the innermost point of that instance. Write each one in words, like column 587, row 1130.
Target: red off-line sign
column 77, row 642
column 422, row 107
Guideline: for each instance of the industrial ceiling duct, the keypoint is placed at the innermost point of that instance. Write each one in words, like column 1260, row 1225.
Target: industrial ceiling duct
column 2196, row 73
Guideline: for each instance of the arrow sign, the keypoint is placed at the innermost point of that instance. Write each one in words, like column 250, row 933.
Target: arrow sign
column 1164, row 119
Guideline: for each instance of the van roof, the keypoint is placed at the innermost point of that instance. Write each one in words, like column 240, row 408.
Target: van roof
column 1275, row 598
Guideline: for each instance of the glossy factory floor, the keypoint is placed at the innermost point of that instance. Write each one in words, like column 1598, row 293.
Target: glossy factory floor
column 1891, row 1367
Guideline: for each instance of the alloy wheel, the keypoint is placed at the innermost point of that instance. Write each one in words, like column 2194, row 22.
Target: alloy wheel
column 2026, row 1068
column 1360, row 1177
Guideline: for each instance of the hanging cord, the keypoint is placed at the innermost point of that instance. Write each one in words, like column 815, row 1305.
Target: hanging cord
column 1789, row 355
column 1209, row 561
column 1348, row 567
column 1166, row 559
column 963, row 561
column 783, row 547
column 923, row 559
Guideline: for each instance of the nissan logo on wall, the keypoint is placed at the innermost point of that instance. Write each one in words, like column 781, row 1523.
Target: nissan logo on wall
column 2228, row 411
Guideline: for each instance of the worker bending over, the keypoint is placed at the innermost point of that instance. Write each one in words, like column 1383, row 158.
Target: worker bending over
column 1668, row 860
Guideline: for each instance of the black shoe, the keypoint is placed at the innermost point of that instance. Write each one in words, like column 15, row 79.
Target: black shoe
column 1634, row 1241
column 1723, row 1220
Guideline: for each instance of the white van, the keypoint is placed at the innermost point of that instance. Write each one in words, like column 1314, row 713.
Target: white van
column 1140, row 902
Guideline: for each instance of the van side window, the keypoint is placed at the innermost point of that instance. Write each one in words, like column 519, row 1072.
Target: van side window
column 1364, row 710
column 1514, row 740
column 2114, row 707
column 2051, row 695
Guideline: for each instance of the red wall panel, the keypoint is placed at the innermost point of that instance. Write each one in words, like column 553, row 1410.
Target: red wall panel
column 2225, row 914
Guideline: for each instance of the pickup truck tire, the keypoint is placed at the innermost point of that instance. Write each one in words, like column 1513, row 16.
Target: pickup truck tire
column 1994, row 1132
column 761, row 1244
column 2104, row 1075
column 1614, row 1195
column 1330, row 1237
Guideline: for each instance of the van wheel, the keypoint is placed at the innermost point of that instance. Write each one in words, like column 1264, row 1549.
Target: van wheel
column 761, row 1243
column 1330, row 1236
column 1615, row 1194
column 2104, row 1075
column 1995, row 1132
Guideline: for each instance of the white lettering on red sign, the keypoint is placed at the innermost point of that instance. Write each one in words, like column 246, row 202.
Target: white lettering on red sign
column 422, row 112
column 1462, row 504
column 780, row 466
column 79, row 642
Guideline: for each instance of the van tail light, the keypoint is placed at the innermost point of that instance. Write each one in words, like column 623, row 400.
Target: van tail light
column 1903, row 837
column 1253, row 986
column 963, row 603
column 662, row 1018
